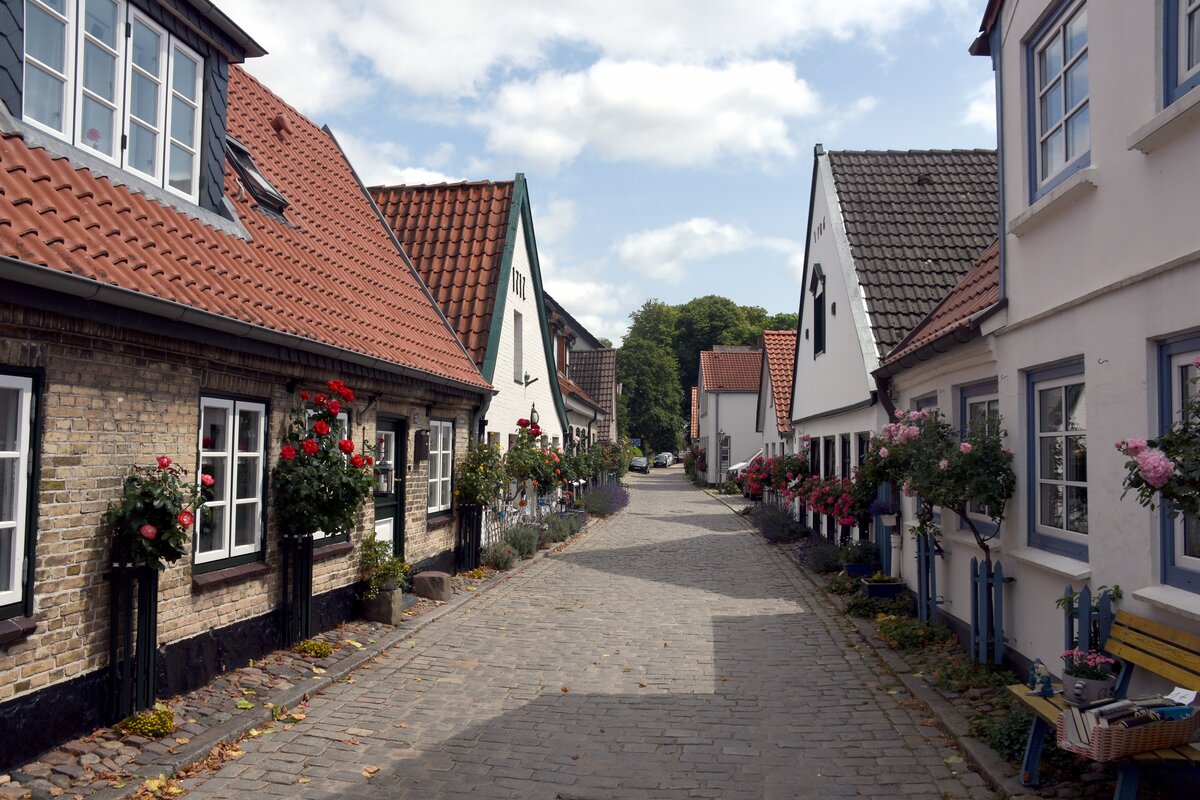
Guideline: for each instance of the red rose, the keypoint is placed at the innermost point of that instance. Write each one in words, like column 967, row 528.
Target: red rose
column 558, row 472
column 186, row 518
column 207, row 479
column 522, row 423
column 536, row 430
column 149, row 531
column 335, row 407
column 356, row 460
column 321, row 427
column 320, row 399
column 310, row 447
column 334, row 386
column 370, row 459
column 287, row 453
column 347, row 394
column 163, row 462
column 305, row 395
column 346, row 446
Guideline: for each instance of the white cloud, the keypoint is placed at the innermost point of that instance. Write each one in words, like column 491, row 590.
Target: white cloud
column 665, row 252
column 553, row 222
column 673, row 114
column 981, row 107
column 378, row 163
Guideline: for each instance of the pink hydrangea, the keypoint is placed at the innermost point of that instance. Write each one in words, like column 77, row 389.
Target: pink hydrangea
column 965, row 447
column 1154, row 467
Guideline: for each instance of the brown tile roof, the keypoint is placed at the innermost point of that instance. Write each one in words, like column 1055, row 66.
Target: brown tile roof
column 455, row 234
column 779, row 348
column 958, row 312
column 332, row 276
column 730, row 371
column 916, row 222
column 596, row 373
column 694, row 425
column 568, row 387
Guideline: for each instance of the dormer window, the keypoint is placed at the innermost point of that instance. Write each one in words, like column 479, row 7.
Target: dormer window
column 816, row 287
column 266, row 195
column 106, row 78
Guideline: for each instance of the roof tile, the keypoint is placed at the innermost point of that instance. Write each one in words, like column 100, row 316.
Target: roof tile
column 730, row 370
column 596, row 373
column 779, row 348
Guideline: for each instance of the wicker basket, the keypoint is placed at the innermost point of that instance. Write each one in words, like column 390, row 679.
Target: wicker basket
column 1109, row 744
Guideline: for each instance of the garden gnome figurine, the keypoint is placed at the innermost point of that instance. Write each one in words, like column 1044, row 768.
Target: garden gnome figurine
column 1040, row 680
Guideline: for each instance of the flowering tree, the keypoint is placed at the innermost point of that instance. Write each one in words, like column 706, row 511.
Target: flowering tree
column 480, row 477
column 153, row 514
column 1166, row 470
column 319, row 482
column 827, row 496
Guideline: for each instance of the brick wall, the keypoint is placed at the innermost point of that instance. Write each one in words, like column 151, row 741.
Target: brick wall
column 111, row 398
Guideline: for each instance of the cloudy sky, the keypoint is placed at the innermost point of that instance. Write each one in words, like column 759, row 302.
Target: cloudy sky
column 667, row 143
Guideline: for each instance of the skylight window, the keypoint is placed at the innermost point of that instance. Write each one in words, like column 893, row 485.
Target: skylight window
column 261, row 189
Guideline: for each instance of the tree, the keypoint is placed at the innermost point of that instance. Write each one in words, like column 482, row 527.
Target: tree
column 649, row 376
column 655, row 322
column 704, row 322
column 606, row 342
column 781, row 322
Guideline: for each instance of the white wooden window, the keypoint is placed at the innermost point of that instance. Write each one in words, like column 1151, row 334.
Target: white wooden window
column 983, row 414
column 1187, row 528
column 1061, row 457
column 441, row 464
column 1063, row 133
column 105, row 77
column 232, row 434
column 518, row 348
column 16, row 419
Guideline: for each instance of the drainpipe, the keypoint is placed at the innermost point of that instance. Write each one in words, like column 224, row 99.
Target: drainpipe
column 718, row 438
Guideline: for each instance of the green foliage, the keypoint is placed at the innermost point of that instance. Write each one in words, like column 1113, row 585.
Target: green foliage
column 524, row 539
column 563, row 526
column 1006, row 732
column 906, row 633
column 843, row 585
column 152, row 723
column 499, row 555
column 313, row 648
column 480, row 476
column 319, row 483
column 380, row 568
column 695, row 464
column 776, row 523
column 870, row 607
column 859, row 551
column 957, row 672
column 1166, row 470
column 151, row 516
column 527, row 460
column 729, row 487
column 820, row 555
column 649, row 376
column 793, row 464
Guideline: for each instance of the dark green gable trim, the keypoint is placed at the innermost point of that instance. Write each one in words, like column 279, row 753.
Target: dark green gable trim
column 520, row 207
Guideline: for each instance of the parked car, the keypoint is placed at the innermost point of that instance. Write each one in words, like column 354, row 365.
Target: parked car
column 664, row 460
column 639, row 464
column 739, row 469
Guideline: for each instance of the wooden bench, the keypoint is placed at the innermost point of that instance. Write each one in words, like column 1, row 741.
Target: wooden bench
column 1138, row 642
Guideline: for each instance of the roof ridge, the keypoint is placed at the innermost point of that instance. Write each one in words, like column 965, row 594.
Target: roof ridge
column 935, row 151
column 384, row 187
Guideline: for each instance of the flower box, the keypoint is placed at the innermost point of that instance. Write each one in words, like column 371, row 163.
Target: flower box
column 884, row 590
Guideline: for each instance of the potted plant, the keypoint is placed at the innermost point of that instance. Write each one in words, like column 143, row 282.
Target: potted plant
column 859, row 558
column 1087, row 677
column 886, row 509
column 882, row 586
column 386, row 578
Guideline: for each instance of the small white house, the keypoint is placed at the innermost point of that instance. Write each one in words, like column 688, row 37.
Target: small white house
column 728, row 401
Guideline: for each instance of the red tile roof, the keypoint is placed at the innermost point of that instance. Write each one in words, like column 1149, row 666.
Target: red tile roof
column 779, row 348
column 332, row 276
column 694, row 424
column 958, row 312
column 455, row 234
column 730, row 370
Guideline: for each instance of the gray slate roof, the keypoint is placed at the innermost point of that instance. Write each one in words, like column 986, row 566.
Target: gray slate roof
column 917, row 222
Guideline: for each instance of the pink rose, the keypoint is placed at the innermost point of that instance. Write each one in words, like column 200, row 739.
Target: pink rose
column 148, row 531
column 1155, row 468
column 163, row 462
column 899, row 413
column 186, row 518
column 965, row 447
column 207, row 479
column 943, row 464
column 883, row 452
column 1135, row 446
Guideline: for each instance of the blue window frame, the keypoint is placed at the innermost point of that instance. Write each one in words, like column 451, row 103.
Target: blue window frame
column 1057, row 465
column 1181, row 48
column 978, row 404
column 1056, row 65
column 1180, row 535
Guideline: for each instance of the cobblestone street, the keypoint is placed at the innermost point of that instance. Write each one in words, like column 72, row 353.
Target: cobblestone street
column 669, row 653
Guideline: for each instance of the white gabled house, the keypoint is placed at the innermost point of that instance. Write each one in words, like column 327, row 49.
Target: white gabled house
column 728, row 403
column 775, row 392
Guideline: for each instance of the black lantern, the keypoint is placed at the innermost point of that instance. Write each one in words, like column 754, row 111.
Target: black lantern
column 533, row 415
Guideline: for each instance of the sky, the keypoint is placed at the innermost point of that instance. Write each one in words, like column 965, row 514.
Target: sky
column 667, row 144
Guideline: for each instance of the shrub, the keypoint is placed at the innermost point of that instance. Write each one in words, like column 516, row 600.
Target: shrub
column 906, row 633
column 870, row 607
column 729, row 487
column 380, row 569
column 151, row 723
column 843, row 585
column 819, row 555
column 860, row 551
column 957, row 673
column 560, row 527
column 606, row 499
column 313, row 648
column 1005, row 732
column 776, row 523
column 499, row 555
column 524, row 539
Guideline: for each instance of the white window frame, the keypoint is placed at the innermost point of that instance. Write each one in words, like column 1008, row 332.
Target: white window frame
column 230, row 502
column 1056, row 29
column 1080, row 537
column 170, row 47
column 19, row 525
column 988, row 401
column 441, row 466
column 1178, row 381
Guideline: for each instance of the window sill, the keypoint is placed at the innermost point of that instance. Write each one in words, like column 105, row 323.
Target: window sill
column 224, row 577
column 332, row 551
column 16, row 629
column 438, row 519
column 1075, row 185
column 967, row 540
column 1070, row 568
column 1170, row 598
column 1166, row 124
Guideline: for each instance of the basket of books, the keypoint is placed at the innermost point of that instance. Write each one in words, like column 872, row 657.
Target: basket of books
column 1125, row 727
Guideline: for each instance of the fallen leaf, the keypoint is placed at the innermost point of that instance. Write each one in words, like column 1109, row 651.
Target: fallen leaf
column 641, row 686
column 953, row 760
column 399, row 725
column 244, row 704
column 350, row 740
column 369, row 772
column 181, row 740
column 304, row 780
column 353, row 643
column 470, row 588
column 249, row 692
column 296, row 717
column 627, row 669
column 565, row 690
column 254, row 732
column 55, row 792
column 318, row 671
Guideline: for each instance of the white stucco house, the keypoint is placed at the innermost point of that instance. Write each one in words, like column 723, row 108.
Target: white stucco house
column 473, row 244
column 889, row 235
column 728, row 403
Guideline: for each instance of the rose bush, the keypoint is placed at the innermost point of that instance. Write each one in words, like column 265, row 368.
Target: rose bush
column 152, row 516
column 480, row 475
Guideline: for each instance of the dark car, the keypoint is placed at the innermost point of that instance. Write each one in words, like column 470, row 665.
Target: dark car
column 640, row 464
column 663, row 459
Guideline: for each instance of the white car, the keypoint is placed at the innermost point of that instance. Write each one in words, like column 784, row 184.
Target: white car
column 740, row 468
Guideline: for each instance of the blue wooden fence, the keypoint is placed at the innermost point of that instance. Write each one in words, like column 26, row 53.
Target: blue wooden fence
column 927, row 591
column 987, row 641
column 1086, row 624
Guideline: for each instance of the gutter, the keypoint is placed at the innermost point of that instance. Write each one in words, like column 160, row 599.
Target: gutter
column 837, row 412
column 83, row 288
